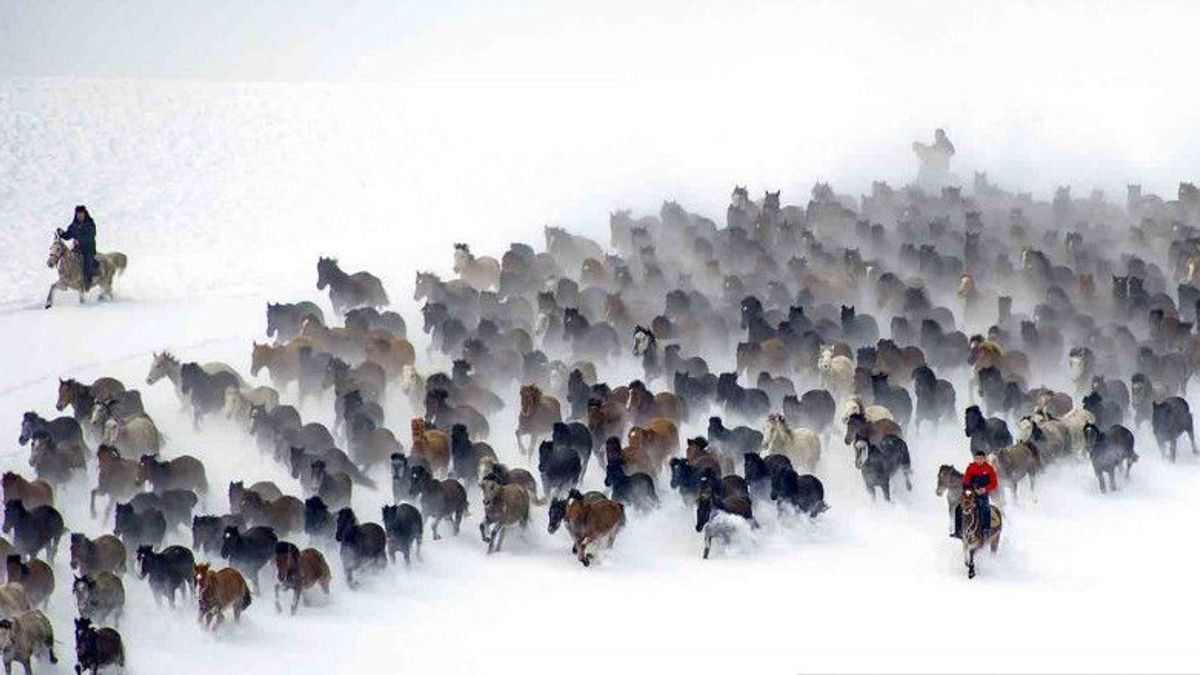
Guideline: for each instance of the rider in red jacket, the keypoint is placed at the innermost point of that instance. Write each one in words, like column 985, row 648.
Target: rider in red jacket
column 980, row 474
column 980, row 478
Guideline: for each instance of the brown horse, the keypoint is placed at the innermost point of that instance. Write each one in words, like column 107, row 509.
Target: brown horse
column 285, row 515
column 504, row 506
column 592, row 523
column 633, row 459
column 119, row 478
column 1018, row 461
column 105, row 553
column 659, row 439
column 536, row 420
column 266, row 489
column 433, row 445
column 82, row 398
column 35, row 575
column 32, row 492
column 390, row 352
column 281, row 361
column 297, row 571
column 1013, row 364
column 973, row 537
column 218, row 590
column 644, row 405
column 858, row 427
column 606, row 417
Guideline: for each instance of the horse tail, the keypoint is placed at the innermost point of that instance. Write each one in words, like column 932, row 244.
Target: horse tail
column 246, row 598
column 119, row 262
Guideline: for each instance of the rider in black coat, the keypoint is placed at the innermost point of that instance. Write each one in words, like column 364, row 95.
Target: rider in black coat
column 83, row 231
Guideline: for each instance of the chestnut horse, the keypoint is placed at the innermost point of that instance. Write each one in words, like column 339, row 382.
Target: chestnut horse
column 298, row 571
column 218, row 590
column 539, row 413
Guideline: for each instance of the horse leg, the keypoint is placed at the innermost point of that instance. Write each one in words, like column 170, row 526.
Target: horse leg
column 499, row 536
column 581, row 547
column 50, row 296
column 887, row 491
column 1192, row 438
column 433, row 527
column 295, row 599
column 1100, row 478
column 278, row 608
column 908, row 478
column 707, row 543
column 489, row 538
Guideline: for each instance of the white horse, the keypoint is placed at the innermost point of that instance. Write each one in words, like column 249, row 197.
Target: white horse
column 801, row 446
column 872, row 412
column 413, row 386
column 481, row 272
column 69, row 265
column 837, row 372
column 1074, row 422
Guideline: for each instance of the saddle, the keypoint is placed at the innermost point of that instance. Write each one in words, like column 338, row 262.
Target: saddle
column 996, row 522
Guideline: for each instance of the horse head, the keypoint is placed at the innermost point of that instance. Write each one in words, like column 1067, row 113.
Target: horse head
column 58, row 249
column 326, row 267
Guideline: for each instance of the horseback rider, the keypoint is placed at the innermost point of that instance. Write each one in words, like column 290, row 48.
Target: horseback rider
column 83, row 231
column 980, row 479
column 934, row 171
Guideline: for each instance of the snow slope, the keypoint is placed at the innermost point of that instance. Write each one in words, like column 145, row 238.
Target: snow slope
column 223, row 195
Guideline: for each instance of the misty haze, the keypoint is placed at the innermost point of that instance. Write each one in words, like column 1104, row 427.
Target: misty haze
column 598, row 337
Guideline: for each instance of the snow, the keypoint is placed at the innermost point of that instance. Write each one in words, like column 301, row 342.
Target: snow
column 223, row 195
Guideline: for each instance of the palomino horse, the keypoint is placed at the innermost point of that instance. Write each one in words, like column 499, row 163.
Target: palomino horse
column 481, row 272
column 973, row 537
column 69, row 265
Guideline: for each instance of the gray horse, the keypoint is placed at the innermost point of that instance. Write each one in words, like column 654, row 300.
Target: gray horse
column 69, row 265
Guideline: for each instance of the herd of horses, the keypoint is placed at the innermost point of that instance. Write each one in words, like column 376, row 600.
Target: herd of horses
column 791, row 339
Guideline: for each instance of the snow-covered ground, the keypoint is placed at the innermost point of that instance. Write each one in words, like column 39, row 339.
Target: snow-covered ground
column 223, row 195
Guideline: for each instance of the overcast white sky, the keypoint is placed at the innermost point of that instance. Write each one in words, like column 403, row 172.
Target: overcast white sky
column 1028, row 89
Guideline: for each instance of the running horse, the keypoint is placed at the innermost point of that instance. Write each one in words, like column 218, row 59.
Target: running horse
column 69, row 265
column 973, row 537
